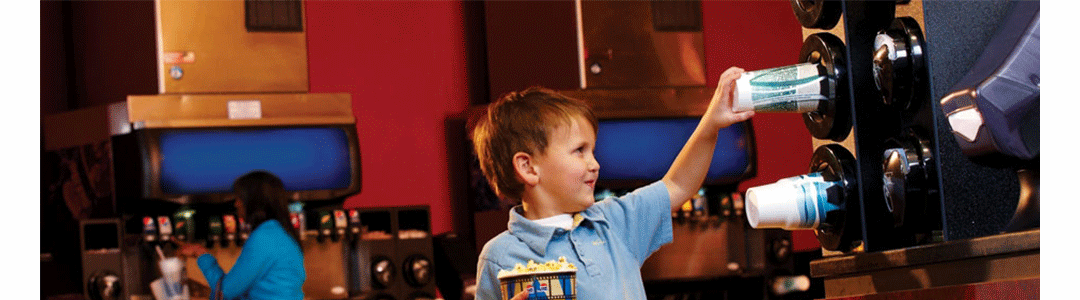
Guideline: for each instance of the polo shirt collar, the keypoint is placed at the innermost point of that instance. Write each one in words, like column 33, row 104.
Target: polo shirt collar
column 537, row 236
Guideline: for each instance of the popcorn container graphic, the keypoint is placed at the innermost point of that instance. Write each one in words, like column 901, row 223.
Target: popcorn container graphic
column 551, row 285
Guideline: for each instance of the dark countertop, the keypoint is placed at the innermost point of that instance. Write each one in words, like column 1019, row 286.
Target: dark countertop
column 1016, row 243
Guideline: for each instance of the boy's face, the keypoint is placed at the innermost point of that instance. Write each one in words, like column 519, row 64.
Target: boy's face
column 567, row 168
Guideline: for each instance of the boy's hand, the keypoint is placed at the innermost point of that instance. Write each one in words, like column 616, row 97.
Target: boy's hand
column 686, row 174
column 719, row 112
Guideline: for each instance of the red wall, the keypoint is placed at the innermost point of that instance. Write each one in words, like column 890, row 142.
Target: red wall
column 756, row 35
column 406, row 66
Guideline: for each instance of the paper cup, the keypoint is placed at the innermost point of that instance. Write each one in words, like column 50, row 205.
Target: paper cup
column 172, row 273
column 743, row 97
column 789, row 89
column 540, row 285
column 157, row 287
column 799, row 202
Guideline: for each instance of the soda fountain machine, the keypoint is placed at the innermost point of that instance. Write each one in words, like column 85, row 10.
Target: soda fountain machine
column 174, row 183
column 165, row 127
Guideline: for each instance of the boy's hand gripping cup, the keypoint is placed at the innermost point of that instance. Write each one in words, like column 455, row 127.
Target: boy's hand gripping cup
column 548, row 281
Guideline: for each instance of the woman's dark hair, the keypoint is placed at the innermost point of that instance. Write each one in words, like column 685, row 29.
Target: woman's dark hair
column 264, row 198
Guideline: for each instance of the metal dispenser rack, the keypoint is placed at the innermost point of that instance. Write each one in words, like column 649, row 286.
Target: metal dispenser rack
column 927, row 220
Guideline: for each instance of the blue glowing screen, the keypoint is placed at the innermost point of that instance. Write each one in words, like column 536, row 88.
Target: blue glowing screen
column 202, row 161
column 645, row 149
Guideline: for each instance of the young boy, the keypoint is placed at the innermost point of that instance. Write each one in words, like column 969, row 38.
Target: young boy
column 536, row 146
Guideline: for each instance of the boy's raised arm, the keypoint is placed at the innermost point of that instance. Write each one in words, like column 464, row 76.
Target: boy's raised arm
column 686, row 174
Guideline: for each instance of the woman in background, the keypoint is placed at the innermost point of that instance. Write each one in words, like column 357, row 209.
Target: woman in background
column 270, row 265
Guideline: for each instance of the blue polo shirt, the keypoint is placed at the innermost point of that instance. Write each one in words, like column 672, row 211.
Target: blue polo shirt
column 609, row 243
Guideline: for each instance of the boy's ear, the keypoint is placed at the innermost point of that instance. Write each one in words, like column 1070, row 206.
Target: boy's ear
column 523, row 165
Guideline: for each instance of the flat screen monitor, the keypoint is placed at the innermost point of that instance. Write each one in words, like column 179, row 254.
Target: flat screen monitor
column 315, row 163
column 636, row 152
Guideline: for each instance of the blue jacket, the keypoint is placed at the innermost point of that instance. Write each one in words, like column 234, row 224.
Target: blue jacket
column 270, row 266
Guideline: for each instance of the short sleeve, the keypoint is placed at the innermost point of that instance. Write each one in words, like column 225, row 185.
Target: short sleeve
column 487, row 280
column 642, row 218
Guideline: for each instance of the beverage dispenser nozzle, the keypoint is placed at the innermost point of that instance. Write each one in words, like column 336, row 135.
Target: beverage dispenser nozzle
column 149, row 230
column 326, row 226
column 354, row 225
column 165, row 230
column 245, row 230
column 184, row 224
column 299, row 221
column 229, row 222
column 341, row 222
column 737, row 204
column 700, row 209
column 724, row 211
column 215, row 233
column 686, row 210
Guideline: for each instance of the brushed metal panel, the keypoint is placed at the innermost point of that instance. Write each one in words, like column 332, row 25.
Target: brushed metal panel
column 531, row 43
column 225, row 57
column 326, row 267
column 621, row 42
column 153, row 111
column 93, row 124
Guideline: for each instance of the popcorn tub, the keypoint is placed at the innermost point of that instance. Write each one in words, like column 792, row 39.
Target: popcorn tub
column 546, row 285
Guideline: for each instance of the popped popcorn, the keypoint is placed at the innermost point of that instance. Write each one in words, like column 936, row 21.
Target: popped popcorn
column 533, row 267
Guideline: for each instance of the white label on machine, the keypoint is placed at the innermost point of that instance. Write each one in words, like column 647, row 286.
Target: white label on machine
column 245, row 109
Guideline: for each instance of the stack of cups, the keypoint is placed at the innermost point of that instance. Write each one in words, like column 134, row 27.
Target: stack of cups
column 796, row 88
column 792, row 203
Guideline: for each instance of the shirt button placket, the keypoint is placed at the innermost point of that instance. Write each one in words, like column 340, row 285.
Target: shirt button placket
column 580, row 251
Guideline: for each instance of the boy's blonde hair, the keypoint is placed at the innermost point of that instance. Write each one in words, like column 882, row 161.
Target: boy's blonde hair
column 520, row 122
